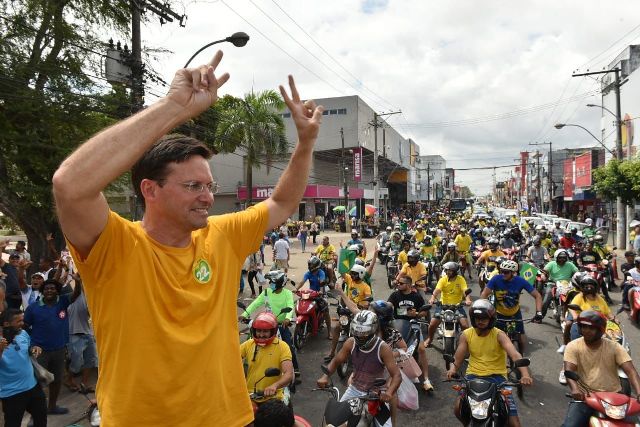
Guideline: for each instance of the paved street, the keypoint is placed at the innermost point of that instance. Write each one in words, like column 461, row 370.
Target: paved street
column 544, row 403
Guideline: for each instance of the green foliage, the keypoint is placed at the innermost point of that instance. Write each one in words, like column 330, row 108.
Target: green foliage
column 618, row 179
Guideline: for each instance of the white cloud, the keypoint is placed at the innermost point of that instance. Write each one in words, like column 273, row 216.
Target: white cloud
column 437, row 61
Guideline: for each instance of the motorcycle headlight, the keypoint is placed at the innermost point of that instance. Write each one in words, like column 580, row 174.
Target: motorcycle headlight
column 344, row 320
column 615, row 412
column 448, row 317
column 479, row 409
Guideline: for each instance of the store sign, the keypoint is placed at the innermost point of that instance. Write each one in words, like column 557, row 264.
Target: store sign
column 583, row 170
column 567, row 179
column 357, row 164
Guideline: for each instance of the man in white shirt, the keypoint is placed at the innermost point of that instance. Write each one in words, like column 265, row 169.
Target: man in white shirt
column 281, row 253
column 33, row 291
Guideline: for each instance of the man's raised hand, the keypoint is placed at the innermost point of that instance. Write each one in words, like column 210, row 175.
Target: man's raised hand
column 196, row 89
column 306, row 115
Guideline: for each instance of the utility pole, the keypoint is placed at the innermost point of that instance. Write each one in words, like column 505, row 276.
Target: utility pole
column 621, row 227
column 549, row 175
column 376, row 178
column 345, row 190
column 137, row 71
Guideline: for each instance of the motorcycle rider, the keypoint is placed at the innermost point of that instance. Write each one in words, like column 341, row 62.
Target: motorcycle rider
column 396, row 241
column 385, row 236
column 275, row 298
column 485, row 258
column 589, row 256
column 487, row 347
column 416, row 270
column 558, row 269
column 567, row 241
column 601, row 249
column 317, row 280
column 506, row 288
column 507, row 242
column 451, row 254
column 589, row 231
column 587, row 299
column 359, row 292
column 419, row 234
column 463, row 243
column 370, row 356
column 265, row 350
column 631, row 272
column 537, row 254
column 451, row 289
column 355, row 240
column 402, row 256
column 596, row 361
column 557, row 231
column 327, row 254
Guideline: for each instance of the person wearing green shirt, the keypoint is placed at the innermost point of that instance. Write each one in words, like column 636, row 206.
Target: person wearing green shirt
column 559, row 269
column 275, row 298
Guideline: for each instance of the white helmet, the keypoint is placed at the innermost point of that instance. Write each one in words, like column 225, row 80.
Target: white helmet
column 588, row 221
column 509, row 265
column 359, row 270
column 560, row 252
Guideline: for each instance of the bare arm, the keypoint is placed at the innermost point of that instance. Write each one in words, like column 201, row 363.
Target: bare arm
column 79, row 181
column 631, row 372
column 291, row 185
column 508, row 346
column 394, row 372
column 485, row 293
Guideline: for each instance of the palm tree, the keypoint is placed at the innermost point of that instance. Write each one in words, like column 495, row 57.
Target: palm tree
column 254, row 123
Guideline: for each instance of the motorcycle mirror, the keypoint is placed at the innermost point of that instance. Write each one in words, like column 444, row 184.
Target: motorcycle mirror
column 272, row 372
column 286, row 310
column 292, row 283
column 369, row 299
column 467, row 292
column 521, row 363
column 241, row 305
column 574, row 307
column 572, row 375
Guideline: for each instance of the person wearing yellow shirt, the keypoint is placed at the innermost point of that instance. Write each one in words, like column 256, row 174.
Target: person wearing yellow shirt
column 487, row 348
column 357, row 290
column 588, row 299
column 265, row 350
column 451, row 289
column 402, row 256
column 420, row 234
column 428, row 250
column 488, row 260
column 416, row 270
column 463, row 244
column 327, row 254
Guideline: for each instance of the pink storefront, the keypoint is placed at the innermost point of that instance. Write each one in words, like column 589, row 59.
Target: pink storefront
column 317, row 199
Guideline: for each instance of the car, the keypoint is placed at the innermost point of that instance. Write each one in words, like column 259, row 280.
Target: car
column 574, row 224
column 536, row 221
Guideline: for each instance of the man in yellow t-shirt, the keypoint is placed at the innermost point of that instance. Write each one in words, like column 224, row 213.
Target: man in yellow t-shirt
column 416, row 270
column 420, row 234
column 265, row 350
column 402, row 256
column 463, row 244
column 175, row 274
column 428, row 250
column 327, row 254
column 451, row 289
column 487, row 348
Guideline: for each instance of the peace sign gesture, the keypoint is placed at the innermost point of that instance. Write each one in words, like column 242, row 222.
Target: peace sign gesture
column 306, row 115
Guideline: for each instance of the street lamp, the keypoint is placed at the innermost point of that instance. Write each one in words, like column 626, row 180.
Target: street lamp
column 561, row 125
column 238, row 39
column 604, row 108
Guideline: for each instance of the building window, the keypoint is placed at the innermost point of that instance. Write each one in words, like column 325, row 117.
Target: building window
column 325, row 113
column 342, row 111
column 286, row 115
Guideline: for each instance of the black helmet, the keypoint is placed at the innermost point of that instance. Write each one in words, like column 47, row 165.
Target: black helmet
column 414, row 254
column 314, row 263
column 594, row 319
column 482, row 308
column 587, row 280
column 537, row 240
column 384, row 310
column 277, row 277
column 493, row 243
column 576, row 279
column 451, row 265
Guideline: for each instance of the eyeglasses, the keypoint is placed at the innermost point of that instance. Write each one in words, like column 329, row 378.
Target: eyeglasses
column 198, row 187
column 505, row 271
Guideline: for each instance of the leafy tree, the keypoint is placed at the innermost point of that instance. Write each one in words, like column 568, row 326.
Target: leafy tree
column 51, row 98
column 254, row 124
column 618, row 179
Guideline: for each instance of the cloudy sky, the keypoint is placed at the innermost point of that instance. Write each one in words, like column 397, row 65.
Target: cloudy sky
column 476, row 81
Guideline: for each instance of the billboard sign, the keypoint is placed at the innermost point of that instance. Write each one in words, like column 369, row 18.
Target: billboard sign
column 567, row 179
column 357, row 164
column 583, row 170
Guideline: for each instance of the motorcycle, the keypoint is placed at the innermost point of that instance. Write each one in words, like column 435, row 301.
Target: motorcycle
column 483, row 276
column 562, row 294
column 512, row 254
column 612, row 409
column 392, row 267
column 449, row 329
column 363, row 411
column 634, row 299
column 344, row 318
column 309, row 317
column 484, row 402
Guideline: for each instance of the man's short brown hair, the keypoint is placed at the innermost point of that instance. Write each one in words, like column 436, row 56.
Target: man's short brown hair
column 173, row 148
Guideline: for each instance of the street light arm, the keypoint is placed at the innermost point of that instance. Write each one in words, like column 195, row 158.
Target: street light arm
column 561, row 125
column 201, row 49
column 238, row 39
column 604, row 108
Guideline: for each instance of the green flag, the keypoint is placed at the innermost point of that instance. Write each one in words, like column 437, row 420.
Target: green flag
column 346, row 260
column 528, row 272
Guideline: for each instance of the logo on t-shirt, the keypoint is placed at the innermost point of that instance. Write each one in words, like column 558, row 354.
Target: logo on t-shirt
column 62, row 314
column 202, row 271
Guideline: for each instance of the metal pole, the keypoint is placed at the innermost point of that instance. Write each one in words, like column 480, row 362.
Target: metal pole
column 620, row 207
column 550, row 176
column 137, row 90
column 376, row 195
column 428, row 184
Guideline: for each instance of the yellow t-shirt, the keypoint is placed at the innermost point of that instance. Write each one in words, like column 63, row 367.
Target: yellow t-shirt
column 463, row 243
column 452, row 290
column 324, row 253
column 356, row 292
column 162, row 315
column 419, row 237
column 402, row 258
column 270, row 356
column 597, row 368
column 487, row 357
column 428, row 251
column 415, row 272
column 484, row 257
column 598, row 304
